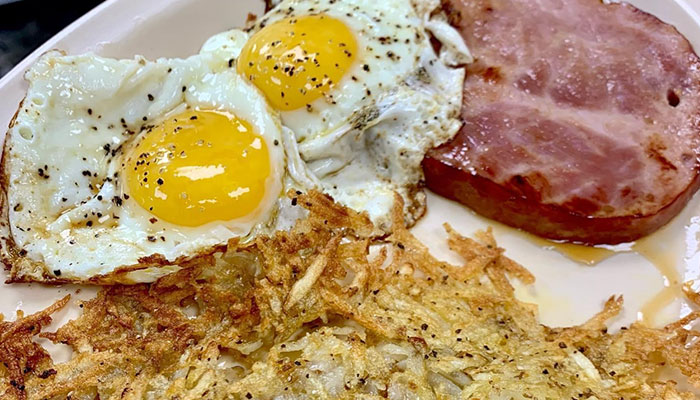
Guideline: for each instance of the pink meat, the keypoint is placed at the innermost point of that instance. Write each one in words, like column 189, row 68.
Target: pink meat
column 581, row 120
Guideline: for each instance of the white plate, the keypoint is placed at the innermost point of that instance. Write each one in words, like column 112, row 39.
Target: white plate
column 567, row 292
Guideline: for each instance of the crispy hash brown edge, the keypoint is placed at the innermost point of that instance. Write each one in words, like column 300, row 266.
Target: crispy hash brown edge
column 269, row 305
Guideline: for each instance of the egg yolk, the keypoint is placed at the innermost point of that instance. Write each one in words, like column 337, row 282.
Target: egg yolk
column 199, row 167
column 296, row 60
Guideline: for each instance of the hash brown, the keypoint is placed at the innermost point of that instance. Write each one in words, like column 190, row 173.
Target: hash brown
column 310, row 314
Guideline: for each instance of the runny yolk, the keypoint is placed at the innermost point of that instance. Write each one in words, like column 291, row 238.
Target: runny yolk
column 296, row 60
column 199, row 167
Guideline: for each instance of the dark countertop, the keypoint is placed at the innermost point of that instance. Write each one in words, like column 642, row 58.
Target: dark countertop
column 25, row 25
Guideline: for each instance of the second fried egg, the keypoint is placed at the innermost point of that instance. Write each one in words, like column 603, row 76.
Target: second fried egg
column 363, row 89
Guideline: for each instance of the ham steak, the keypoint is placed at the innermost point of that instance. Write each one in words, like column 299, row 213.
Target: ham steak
column 581, row 119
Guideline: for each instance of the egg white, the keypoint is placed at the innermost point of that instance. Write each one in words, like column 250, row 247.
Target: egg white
column 64, row 151
column 364, row 141
column 81, row 115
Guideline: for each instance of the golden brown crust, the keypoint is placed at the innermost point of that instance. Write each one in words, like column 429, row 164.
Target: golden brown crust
column 8, row 249
column 270, row 4
column 20, row 355
column 307, row 313
column 416, row 204
column 20, row 268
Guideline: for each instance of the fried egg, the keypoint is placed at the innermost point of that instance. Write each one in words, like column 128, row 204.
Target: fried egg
column 137, row 166
column 362, row 88
column 125, row 164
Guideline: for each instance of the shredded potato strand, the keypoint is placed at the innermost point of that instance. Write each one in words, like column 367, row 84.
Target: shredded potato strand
column 309, row 314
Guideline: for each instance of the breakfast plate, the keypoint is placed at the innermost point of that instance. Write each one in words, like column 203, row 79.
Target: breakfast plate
column 572, row 282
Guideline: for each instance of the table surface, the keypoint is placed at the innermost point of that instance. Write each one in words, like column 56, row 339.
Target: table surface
column 25, row 25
